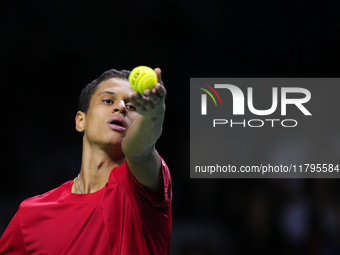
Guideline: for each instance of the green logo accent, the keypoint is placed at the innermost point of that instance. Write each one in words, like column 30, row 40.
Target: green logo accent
column 209, row 94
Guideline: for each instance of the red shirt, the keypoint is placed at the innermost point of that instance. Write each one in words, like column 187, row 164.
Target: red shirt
column 121, row 218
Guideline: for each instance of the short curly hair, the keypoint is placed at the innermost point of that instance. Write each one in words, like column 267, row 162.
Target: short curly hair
column 90, row 89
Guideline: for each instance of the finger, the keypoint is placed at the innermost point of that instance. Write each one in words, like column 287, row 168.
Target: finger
column 134, row 98
column 141, row 100
column 158, row 72
column 159, row 90
column 137, row 104
column 153, row 97
column 138, row 96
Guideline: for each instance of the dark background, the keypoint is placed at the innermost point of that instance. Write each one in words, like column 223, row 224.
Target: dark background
column 51, row 49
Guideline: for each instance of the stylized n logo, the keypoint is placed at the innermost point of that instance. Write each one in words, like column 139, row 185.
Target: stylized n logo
column 238, row 97
column 204, row 98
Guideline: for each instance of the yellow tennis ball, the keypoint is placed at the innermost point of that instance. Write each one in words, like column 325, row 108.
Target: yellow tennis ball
column 142, row 78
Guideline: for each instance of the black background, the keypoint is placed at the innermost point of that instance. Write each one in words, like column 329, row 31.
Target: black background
column 51, row 49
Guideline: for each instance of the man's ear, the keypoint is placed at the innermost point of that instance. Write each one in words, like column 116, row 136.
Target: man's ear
column 80, row 121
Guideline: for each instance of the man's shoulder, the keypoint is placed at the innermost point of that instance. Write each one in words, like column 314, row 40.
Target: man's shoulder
column 122, row 177
column 50, row 196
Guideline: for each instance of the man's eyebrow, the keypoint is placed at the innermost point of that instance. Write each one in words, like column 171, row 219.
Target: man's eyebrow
column 107, row 92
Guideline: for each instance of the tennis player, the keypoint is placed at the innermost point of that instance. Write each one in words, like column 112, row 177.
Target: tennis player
column 120, row 202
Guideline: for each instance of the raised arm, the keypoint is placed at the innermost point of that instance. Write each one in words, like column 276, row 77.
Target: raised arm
column 139, row 143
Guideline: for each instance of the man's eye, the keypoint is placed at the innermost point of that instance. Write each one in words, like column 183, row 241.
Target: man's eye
column 131, row 107
column 107, row 101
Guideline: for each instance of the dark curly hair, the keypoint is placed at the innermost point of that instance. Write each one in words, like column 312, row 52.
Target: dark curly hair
column 89, row 90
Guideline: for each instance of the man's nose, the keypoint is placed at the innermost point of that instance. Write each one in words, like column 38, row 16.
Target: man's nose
column 120, row 107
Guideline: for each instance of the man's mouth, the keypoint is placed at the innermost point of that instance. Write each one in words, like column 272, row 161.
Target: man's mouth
column 117, row 123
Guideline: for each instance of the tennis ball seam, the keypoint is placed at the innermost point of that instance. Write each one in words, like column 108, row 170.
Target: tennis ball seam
column 141, row 78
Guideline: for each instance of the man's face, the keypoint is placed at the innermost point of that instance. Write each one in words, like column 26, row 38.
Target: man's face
column 110, row 113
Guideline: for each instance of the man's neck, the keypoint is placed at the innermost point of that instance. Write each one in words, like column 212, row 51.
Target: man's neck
column 96, row 167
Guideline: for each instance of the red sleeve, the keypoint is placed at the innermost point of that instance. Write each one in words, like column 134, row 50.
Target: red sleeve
column 165, row 200
column 11, row 242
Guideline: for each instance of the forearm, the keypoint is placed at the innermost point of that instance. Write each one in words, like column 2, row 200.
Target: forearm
column 142, row 136
column 139, row 142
